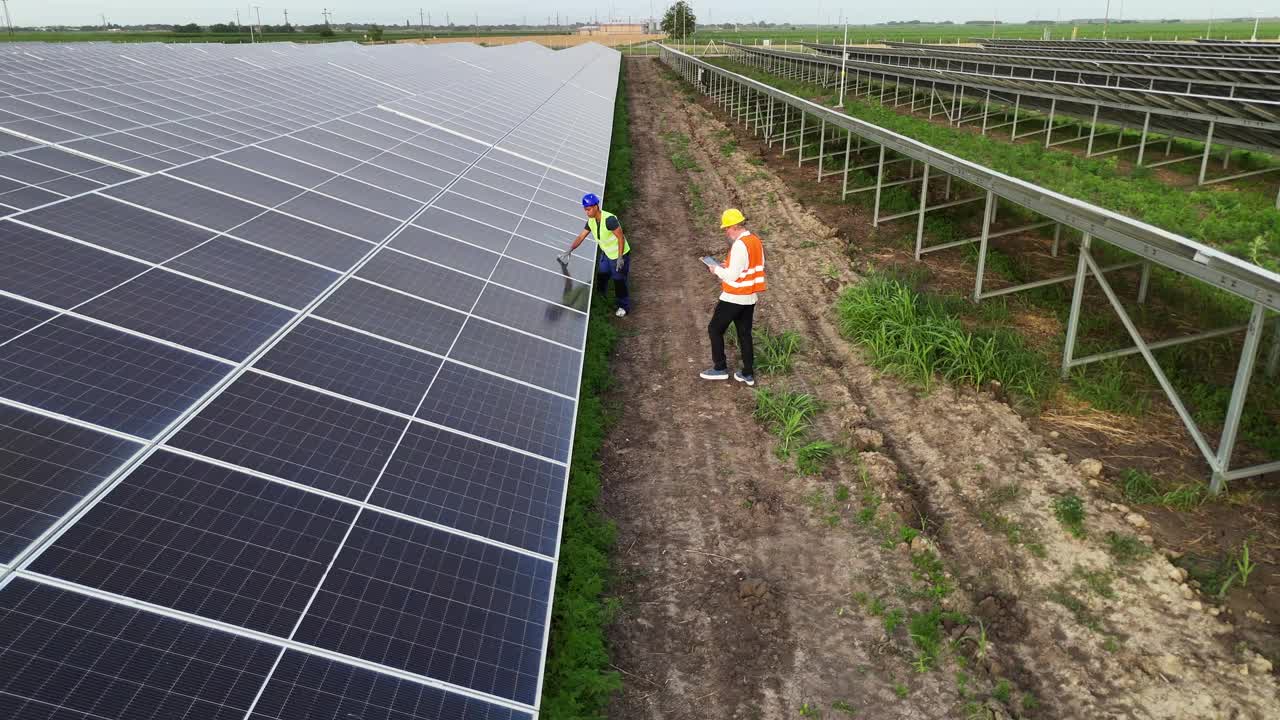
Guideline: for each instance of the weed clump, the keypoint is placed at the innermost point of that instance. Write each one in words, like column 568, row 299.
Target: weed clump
column 1069, row 509
column 915, row 337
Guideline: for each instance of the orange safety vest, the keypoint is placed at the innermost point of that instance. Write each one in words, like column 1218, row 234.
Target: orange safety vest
column 751, row 280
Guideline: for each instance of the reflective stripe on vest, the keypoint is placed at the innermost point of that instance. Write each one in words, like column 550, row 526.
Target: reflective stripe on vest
column 751, row 279
column 603, row 236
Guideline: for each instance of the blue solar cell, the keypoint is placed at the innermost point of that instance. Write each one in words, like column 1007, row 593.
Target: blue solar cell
column 294, row 433
column 190, row 313
column 46, row 467
column 437, row 604
column 342, row 216
column 306, row 687
column 65, row 656
column 392, row 315
column 549, row 320
column 59, row 272
column 256, row 271
column 352, row 364
column 205, row 540
column 305, row 240
column 519, row 356
column 421, row 278
column 559, row 288
column 446, row 478
column 104, row 376
column 17, row 317
column 501, row 410
column 186, row 201
column 452, row 253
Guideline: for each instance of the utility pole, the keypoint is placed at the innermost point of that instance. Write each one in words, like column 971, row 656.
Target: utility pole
column 104, row 20
column 1257, row 15
column 8, row 22
column 258, row 9
column 422, row 29
column 1106, row 20
column 286, row 18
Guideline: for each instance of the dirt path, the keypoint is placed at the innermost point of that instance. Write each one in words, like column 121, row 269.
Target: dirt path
column 749, row 590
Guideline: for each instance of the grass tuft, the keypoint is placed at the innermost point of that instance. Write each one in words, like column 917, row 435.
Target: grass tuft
column 915, row 337
column 1069, row 509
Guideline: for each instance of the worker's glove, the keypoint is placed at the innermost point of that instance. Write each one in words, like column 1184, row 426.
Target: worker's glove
column 563, row 258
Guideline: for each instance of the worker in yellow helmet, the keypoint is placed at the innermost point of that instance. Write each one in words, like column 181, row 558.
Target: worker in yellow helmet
column 741, row 282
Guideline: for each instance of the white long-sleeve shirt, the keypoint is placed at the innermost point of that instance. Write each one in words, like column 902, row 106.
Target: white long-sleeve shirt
column 738, row 260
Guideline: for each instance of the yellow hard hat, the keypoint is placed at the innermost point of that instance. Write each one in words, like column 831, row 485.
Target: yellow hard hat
column 731, row 217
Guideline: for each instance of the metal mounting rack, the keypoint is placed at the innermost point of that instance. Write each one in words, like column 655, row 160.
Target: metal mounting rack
column 797, row 124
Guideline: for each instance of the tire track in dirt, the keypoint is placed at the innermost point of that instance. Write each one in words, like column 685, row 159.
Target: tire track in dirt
column 735, row 595
column 1171, row 658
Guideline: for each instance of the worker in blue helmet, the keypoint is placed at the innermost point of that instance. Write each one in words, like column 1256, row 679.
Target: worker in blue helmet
column 613, row 253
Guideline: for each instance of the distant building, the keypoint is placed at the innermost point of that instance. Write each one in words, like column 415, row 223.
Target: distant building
column 613, row 29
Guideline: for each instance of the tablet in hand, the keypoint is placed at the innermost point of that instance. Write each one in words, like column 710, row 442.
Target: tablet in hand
column 710, row 261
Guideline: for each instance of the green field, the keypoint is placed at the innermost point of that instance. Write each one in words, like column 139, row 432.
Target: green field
column 174, row 37
column 1185, row 30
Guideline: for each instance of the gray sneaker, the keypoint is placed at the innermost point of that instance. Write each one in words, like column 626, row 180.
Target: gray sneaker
column 750, row 380
column 714, row 374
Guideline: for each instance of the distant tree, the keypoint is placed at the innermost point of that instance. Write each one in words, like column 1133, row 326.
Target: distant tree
column 188, row 29
column 224, row 28
column 679, row 20
column 327, row 31
column 375, row 33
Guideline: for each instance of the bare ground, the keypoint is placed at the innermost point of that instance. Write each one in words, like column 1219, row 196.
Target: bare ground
column 744, row 584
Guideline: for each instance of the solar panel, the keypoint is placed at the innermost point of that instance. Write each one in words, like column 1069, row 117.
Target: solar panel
column 288, row 374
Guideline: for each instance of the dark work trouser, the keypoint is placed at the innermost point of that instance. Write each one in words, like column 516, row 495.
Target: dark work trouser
column 618, row 270
column 740, row 316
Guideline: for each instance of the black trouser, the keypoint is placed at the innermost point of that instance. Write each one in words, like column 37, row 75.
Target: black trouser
column 618, row 270
column 740, row 316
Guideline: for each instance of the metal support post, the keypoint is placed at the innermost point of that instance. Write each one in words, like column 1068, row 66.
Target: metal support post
column 1057, row 238
column 844, row 189
column 986, row 112
column 924, row 200
column 1142, row 144
column 800, row 151
column 822, row 147
column 1077, row 299
column 1208, row 146
column 1145, row 283
column 1048, row 128
column 1093, row 129
column 875, row 216
column 1017, row 105
column 987, row 214
column 1235, row 409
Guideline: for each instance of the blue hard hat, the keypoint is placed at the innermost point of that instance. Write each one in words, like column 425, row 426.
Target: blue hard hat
column 590, row 199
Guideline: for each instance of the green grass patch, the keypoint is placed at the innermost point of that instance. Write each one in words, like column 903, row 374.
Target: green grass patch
column 1126, row 549
column 915, row 337
column 786, row 414
column 678, row 151
column 1140, row 488
column 811, row 458
column 773, row 353
column 1069, row 509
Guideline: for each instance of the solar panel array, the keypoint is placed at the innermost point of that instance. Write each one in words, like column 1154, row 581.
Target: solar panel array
column 1237, row 121
column 288, row 374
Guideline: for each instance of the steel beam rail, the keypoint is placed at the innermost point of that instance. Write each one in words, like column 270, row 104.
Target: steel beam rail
column 1150, row 245
column 1252, row 124
column 1186, row 79
column 1162, row 53
column 1207, row 60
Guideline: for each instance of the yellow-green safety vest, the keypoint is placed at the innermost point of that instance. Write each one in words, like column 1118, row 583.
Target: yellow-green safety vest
column 604, row 237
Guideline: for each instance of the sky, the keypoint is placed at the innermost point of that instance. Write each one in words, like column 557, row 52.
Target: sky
column 131, row 12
